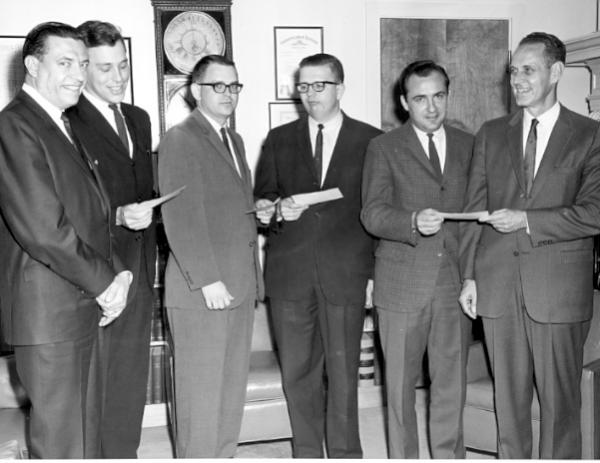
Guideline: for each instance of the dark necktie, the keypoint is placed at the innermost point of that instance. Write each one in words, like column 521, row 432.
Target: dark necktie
column 433, row 156
column 319, row 153
column 529, row 157
column 121, row 129
column 78, row 148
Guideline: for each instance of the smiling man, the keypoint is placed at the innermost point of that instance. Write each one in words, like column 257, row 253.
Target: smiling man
column 212, row 279
column 319, row 261
column 411, row 174
column 118, row 136
column 55, row 234
column 528, row 269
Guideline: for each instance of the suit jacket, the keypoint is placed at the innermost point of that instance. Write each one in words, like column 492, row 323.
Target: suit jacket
column 554, row 261
column 399, row 180
column 127, row 180
column 55, row 231
column 210, row 232
column 328, row 238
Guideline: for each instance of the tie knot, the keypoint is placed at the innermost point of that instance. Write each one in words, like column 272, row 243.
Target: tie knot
column 321, row 127
column 534, row 123
column 430, row 135
column 113, row 106
column 64, row 118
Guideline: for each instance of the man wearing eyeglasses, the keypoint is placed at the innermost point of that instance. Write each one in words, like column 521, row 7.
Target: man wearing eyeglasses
column 319, row 261
column 212, row 278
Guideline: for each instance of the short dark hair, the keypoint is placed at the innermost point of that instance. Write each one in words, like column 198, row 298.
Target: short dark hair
column 422, row 68
column 98, row 33
column 202, row 66
column 324, row 59
column 35, row 42
column 554, row 48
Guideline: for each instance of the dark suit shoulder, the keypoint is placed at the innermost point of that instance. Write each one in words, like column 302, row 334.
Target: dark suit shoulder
column 584, row 122
column 367, row 130
column 135, row 112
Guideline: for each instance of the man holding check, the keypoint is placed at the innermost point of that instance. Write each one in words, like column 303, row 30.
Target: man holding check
column 319, row 261
column 410, row 174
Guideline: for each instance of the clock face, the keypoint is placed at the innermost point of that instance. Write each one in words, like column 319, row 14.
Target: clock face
column 191, row 35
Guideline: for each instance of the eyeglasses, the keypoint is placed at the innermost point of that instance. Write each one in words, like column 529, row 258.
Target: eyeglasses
column 220, row 87
column 319, row 86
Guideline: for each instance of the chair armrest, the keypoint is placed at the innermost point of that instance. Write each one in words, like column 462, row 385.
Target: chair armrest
column 477, row 365
column 590, row 411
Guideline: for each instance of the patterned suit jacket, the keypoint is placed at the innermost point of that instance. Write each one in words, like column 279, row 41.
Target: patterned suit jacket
column 398, row 180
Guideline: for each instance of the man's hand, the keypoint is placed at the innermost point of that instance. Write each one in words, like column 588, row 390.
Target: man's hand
column 428, row 221
column 113, row 299
column 369, row 294
column 264, row 216
column 135, row 216
column 216, row 296
column 468, row 298
column 507, row 220
column 291, row 211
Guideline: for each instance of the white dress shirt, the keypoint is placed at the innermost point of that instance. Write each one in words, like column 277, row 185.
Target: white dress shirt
column 331, row 130
column 546, row 122
column 439, row 140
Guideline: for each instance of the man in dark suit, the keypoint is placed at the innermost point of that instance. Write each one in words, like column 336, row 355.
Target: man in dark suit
column 212, row 279
column 411, row 175
column 528, row 271
column 319, row 261
column 118, row 136
column 55, row 235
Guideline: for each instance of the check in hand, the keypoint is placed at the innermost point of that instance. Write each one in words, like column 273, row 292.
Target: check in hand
column 468, row 298
column 506, row 220
column 135, row 216
column 429, row 221
column 217, row 296
column 113, row 299
column 265, row 208
column 290, row 210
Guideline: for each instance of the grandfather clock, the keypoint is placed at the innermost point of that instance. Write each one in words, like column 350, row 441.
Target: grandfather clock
column 185, row 31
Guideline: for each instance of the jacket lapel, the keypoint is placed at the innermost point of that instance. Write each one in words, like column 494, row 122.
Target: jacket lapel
column 416, row 149
column 93, row 119
column 559, row 138
column 514, row 142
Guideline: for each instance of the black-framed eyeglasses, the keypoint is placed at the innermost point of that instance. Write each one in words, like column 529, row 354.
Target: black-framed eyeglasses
column 220, row 87
column 318, row 86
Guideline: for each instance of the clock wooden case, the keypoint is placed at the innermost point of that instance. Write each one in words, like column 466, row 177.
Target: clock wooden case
column 185, row 31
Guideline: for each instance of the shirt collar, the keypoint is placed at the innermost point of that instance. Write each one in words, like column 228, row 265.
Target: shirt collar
column 214, row 124
column 547, row 118
column 332, row 124
column 53, row 111
column 438, row 134
column 99, row 103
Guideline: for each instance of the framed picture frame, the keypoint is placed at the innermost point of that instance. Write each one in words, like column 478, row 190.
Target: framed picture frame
column 12, row 71
column 291, row 45
column 282, row 112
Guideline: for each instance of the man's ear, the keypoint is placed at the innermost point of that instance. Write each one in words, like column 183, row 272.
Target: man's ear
column 32, row 65
column 340, row 88
column 195, row 90
column 556, row 71
column 404, row 103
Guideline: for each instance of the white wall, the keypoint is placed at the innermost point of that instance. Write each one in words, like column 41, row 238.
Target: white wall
column 350, row 32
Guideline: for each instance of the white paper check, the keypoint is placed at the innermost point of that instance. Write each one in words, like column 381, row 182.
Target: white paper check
column 478, row 215
column 163, row 199
column 316, row 197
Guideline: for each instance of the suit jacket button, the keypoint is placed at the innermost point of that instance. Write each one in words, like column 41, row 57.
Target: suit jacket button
column 521, row 196
column 516, row 253
column 252, row 243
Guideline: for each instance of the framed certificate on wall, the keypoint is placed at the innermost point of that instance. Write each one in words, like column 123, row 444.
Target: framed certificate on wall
column 291, row 45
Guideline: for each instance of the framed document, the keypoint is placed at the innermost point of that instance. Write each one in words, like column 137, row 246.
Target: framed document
column 291, row 45
column 12, row 71
column 282, row 112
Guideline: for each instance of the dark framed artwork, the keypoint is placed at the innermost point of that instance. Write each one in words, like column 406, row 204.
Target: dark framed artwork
column 474, row 52
column 291, row 45
column 12, row 71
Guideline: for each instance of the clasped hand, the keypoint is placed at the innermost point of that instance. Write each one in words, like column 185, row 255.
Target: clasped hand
column 113, row 299
column 135, row 216
column 429, row 221
column 287, row 208
column 506, row 220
